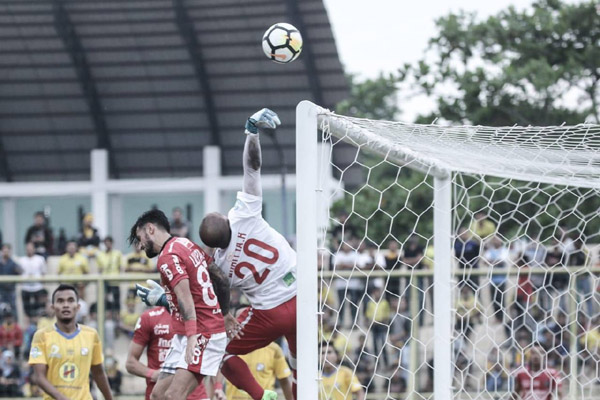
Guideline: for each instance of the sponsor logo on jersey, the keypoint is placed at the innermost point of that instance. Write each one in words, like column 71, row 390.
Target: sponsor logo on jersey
column 260, row 367
column 157, row 312
column 35, row 352
column 68, row 372
column 84, row 351
column 165, row 270
column 161, row 329
column 166, row 343
column 289, row 278
column 55, row 351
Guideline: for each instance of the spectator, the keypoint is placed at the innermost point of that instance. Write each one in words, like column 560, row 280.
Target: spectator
column 338, row 381
column 88, row 239
column 364, row 361
column 266, row 364
column 110, row 326
column 114, row 375
column 137, row 261
column 497, row 256
column 579, row 257
column 378, row 317
column 496, row 378
column 28, row 335
column 40, row 235
column 8, row 267
column 392, row 264
column 11, row 334
column 179, row 225
column 401, row 325
column 524, row 296
column 350, row 289
column 73, row 263
column 482, row 227
column 537, row 380
column 129, row 318
column 10, row 375
column 33, row 294
column 110, row 262
column 412, row 258
column 61, row 246
column 557, row 277
column 466, row 312
column 466, row 250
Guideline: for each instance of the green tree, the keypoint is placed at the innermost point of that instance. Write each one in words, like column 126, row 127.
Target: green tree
column 514, row 67
column 372, row 98
column 510, row 69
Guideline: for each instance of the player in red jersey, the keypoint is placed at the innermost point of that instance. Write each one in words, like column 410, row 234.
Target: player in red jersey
column 199, row 340
column 154, row 333
column 536, row 381
column 256, row 258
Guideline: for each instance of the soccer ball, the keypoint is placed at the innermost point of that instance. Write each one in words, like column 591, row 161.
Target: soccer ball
column 282, row 43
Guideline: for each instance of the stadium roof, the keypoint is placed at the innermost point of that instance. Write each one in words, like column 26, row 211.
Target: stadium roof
column 152, row 81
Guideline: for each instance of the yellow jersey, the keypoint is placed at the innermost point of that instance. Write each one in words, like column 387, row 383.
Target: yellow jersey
column 266, row 364
column 68, row 357
column 76, row 265
column 339, row 385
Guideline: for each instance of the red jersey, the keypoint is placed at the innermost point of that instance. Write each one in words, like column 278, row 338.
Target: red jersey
column 181, row 259
column 153, row 331
column 541, row 385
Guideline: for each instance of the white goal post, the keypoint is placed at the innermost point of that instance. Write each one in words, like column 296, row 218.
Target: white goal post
column 531, row 184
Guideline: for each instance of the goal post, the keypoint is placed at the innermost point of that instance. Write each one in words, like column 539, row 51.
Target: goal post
column 440, row 259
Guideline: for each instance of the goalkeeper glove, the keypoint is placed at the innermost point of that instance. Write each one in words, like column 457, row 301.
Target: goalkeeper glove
column 152, row 296
column 260, row 120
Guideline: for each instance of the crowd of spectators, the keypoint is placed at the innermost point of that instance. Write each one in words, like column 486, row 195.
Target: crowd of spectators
column 83, row 254
column 525, row 291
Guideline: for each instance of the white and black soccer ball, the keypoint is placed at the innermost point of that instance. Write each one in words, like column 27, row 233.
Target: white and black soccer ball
column 282, row 43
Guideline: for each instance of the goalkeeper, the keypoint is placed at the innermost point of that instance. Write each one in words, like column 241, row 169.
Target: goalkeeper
column 257, row 259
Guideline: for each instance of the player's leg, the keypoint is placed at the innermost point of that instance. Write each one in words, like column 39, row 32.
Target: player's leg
column 258, row 333
column 160, row 389
column 183, row 383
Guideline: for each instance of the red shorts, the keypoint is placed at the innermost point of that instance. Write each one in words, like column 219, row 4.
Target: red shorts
column 261, row 327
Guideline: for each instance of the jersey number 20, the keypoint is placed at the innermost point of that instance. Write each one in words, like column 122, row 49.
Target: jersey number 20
column 258, row 277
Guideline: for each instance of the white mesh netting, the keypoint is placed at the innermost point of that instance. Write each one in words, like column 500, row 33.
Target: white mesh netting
column 525, row 234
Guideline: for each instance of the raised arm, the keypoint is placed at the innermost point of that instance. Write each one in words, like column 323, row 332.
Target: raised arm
column 257, row 123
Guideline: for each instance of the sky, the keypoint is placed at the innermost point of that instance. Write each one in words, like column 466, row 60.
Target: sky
column 374, row 36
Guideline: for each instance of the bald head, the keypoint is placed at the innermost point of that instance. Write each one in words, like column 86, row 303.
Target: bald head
column 215, row 231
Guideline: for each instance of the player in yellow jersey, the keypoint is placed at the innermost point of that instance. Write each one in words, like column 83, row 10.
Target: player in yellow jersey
column 266, row 364
column 63, row 354
column 338, row 381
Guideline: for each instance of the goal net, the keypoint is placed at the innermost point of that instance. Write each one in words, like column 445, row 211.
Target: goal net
column 449, row 262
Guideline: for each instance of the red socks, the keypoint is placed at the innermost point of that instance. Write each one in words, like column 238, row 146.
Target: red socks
column 237, row 372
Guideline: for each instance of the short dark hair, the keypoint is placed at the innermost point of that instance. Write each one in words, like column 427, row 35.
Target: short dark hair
column 62, row 287
column 109, row 238
column 155, row 216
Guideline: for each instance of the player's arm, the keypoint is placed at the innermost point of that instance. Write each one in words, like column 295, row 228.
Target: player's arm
column 135, row 367
column 263, row 119
column 188, row 313
column 101, row 380
column 286, row 388
column 221, row 287
column 39, row 375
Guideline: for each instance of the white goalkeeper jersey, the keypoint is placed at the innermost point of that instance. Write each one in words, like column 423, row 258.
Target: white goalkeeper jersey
column 258, row 260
